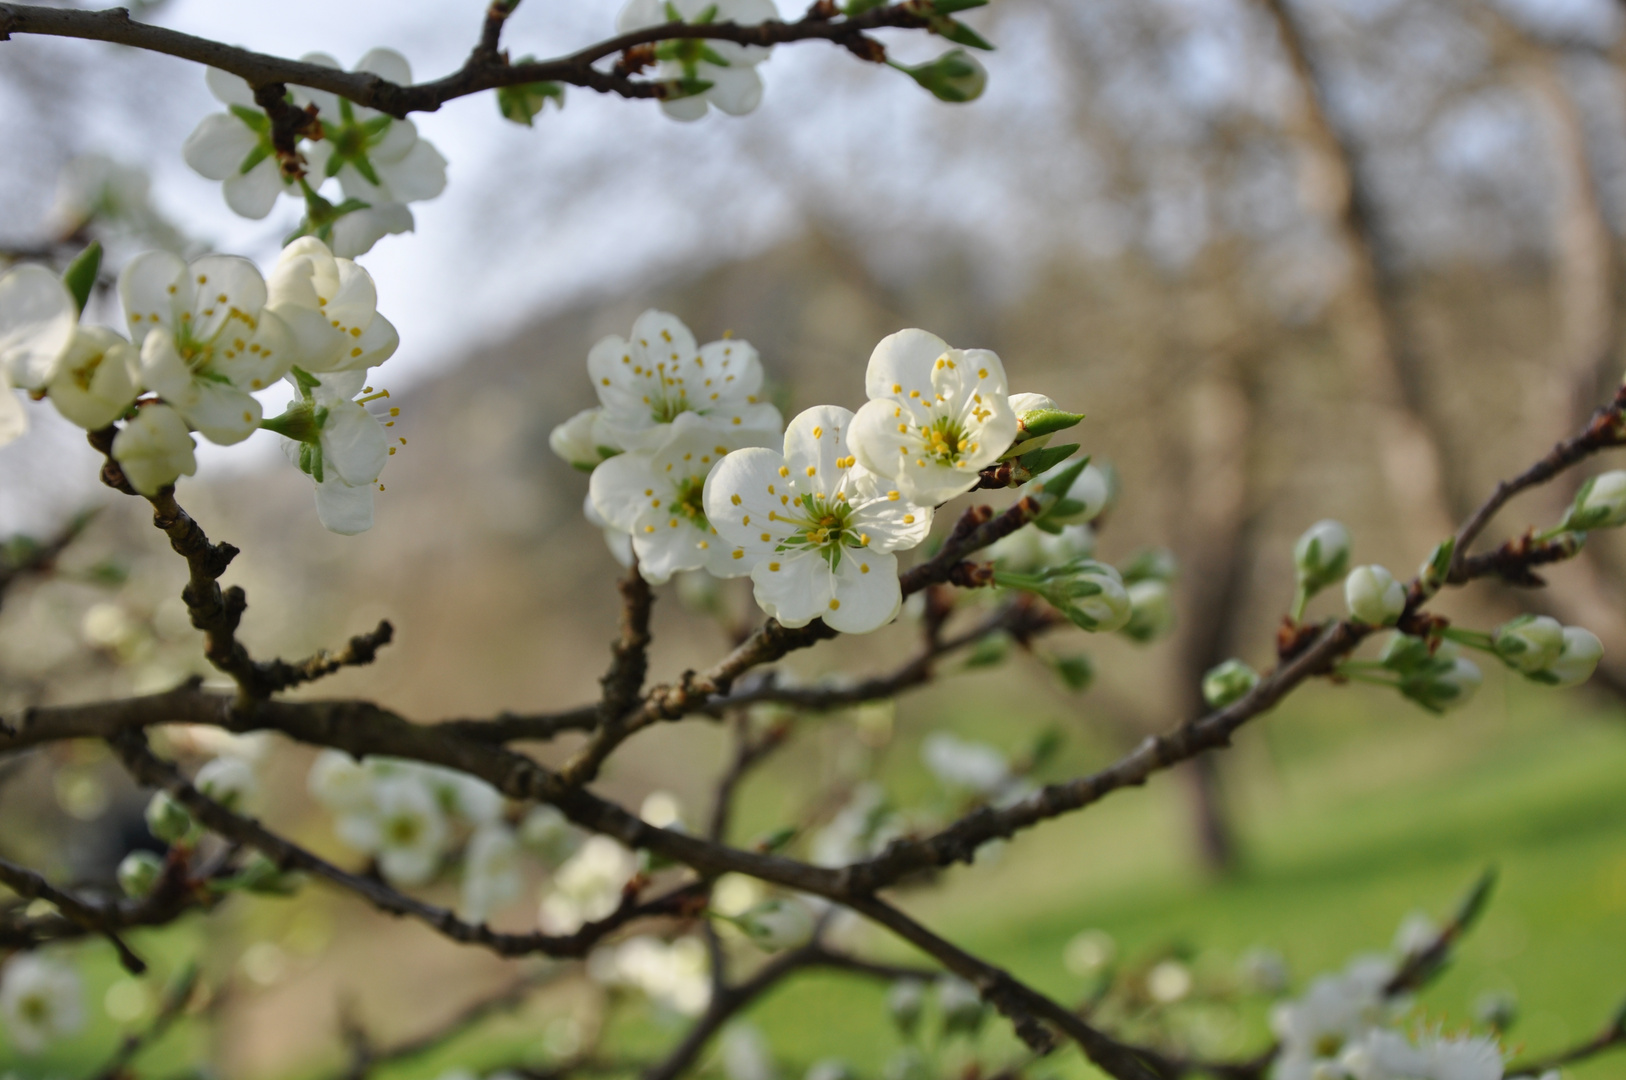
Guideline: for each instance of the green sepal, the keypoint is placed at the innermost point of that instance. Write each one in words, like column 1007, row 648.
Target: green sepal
column 1045, row 747
column 949, row 7
column 1046, row 458
column 307, row 382
column 522, row 103
column 1433, row 573
column 80, row 276
column 254, row 118
column 958, row 32
column 776, row 841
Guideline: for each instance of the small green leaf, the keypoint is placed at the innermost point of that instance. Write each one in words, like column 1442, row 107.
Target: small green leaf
column 1042, row 422
column 80, row 276
column 256, row 120
column 959, row 33
column 949, row 7
column 1473, row 905
column 1075, row 672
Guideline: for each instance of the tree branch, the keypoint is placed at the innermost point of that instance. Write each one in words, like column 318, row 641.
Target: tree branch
column 92, row 917
column 485, row 69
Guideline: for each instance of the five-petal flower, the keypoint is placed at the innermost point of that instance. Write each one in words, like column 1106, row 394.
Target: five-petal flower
column 720, row 73
column 820, row 529
column 37, row 320
column 936, row 415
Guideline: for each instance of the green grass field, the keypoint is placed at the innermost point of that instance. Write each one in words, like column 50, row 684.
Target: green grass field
column 1353, row 811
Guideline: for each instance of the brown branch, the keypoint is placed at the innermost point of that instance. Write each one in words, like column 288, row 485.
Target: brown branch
column 95, row 918
column 31, row 559
column 517, row 727
column 149, row 770
column 361, row 651
column 485, row 69
column 1612, row 1037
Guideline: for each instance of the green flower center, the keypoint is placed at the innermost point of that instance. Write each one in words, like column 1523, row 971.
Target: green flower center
column 824, row 526
column 945, row 440
column 403, row 831
column 690, row 502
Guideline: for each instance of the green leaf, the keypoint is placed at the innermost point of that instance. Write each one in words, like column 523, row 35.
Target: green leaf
column 776, row 841
column 522, row 103
column 1075, row 672
column 1473, row 905
column 1046, row 458
column 80, row 276
column 949, row 7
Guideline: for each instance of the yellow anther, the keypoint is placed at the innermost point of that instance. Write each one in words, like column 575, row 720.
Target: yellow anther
column 783, row 471
column 892, row 496
column 863, row 568
column 766, row 538
column 908, row 519
column 811, row 470
column 818, row 432
column 739, row 553
column 773, row 566
column 735, row 499
column 834, row 603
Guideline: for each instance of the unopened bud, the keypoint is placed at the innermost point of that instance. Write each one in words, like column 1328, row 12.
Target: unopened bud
column 1374, row 596
column 775, row 925
column 1037, row 418
column 1445, row 683
column 1530, row 643
column 1228, row 682
column 1321, row 555
column 904, row 1001
column 574, row 442
column 167, row 819
column 1151, row 610
column 1577, row 660
column 956, row 76
column 1600, row 504
column 960, row 1004
column 139, row 873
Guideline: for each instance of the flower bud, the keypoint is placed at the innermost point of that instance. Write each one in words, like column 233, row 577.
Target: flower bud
column 1073, row 494
column 960, row 1004
column 167, row 819
column 139, row 873
column 229, row 781
column 1578, row 659
column 1403, row 653
column 1374, row 596
column 1228, row 682
column 1073, row 542
column 1151, row 611
column 955, row 77
column 574, row 442
column 1530, row 643
column 1600, row 504
column 1321, row 554
column 1150, row 563
column 1037, row 418
column 904, row 1001
column 775, row 925
column 1445, row 683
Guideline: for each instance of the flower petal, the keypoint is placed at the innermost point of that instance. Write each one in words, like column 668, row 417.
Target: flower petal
column 386, row 64
column 254, row 193
column 37, row 320
column 222, row 414
column 344, row 509
column 622, row 487
column 154, row 449
column 357, row 232
column 735, row 90
column 902, row 362
column 154, row 289
column 742, row 497
column 794, row 588
column 816, row 449
column 229, row 89
column 686, row 109
column 217, row 146
column 354, row 444
column 13, row 418
column 420, row 175
column 226, row 286
column 867, row 593
column 97, row 379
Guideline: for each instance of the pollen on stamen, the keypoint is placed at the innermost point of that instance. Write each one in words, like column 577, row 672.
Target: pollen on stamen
column 892, row 496
column 739, row 553
column 914, row 393
column 735, row 499
column 863, row 568
column 811, row 470
column 773, row 566
column 834, row 603
column 736, row 421
column 395, row 412
column 392, row 451
column 171, row 290
column 818, row 432
column 783, row 471
column 746, row 520
column 203, row 279
column 766, row 538
column 908, row 519
column 982, row 373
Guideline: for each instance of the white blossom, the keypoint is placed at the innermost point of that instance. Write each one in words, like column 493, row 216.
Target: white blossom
column 962, row 765
column 672, row 974
column 402, row 825
column 491, row 871
column 340, row 782
column 647, row 381
column 1387, row 1055
column 97, row 378
column 780, row 924
column 819, row 528
column 936, row 416
column 359, row 229
column 656, row 497
column 729, row 68
column 332, row 438
column 208, row 341
column 1334, row 1011
column 618, row 541
column 235, row 147
column 155, row 449
column 379, row 160
column 330, row 305
column 229, row 781
column 37, row 321
column 41, row 1001
column 588, row 886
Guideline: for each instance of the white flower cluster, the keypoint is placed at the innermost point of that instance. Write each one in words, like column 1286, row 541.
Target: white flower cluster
column 379, row 162
column 205, row 338
column 703, row 73
column 411, row 816
column 690, row 467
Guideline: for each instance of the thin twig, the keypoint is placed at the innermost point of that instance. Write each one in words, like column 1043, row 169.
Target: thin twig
column 93, row 917
column 176, row 999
